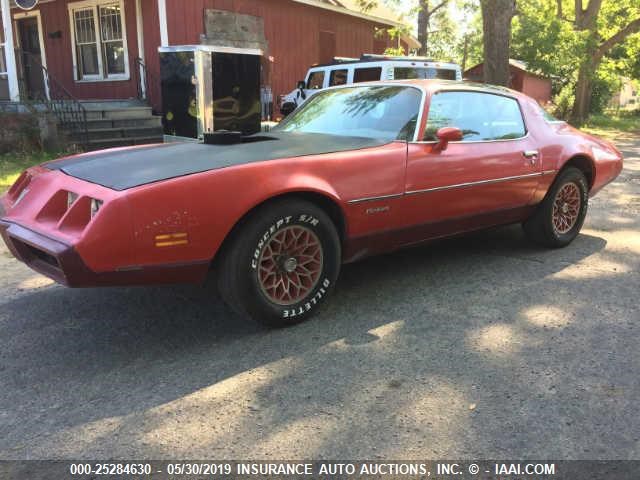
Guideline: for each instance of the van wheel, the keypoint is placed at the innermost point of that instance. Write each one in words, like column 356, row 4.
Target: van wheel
column 559, row 218
column 281, row 264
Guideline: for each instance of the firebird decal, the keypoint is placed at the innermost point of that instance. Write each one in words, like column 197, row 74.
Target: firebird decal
column 371, row 211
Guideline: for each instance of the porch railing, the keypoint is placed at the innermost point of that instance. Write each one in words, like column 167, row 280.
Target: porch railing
column 54, row 98
column 142, row 79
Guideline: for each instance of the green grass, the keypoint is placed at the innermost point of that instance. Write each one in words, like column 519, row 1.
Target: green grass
column 612, row 125
column 13, row 164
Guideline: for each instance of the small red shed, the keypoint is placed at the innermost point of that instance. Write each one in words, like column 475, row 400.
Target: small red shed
column 522, row 80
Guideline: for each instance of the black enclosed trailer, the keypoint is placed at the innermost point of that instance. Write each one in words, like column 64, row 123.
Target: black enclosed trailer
column 207, row 88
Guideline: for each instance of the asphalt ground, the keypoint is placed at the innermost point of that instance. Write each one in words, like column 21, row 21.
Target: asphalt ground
column 484, row 346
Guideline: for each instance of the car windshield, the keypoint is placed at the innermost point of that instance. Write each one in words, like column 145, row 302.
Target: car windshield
column 388, row 112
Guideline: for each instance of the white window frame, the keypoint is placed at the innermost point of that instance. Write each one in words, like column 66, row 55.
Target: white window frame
column 102, row 76
column 43, row 53
column 4, row 72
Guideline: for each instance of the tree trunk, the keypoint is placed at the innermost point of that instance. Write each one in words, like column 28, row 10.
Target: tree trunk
column 423, row 28
column 582, row 101
column 586, row 21
column 465, row 52
column 496, row 23
column 425, row 13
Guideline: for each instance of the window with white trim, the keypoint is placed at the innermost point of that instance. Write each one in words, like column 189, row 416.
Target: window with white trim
column 4, row 78
column 3, row 62
column 100, row 43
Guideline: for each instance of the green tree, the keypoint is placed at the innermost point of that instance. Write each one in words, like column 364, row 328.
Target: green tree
column 496, row 27
column 603, row 25
column 585, row 58
column 442, row 36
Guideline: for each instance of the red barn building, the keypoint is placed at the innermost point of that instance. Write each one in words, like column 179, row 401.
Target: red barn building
column 521, row 79
column 102, row 49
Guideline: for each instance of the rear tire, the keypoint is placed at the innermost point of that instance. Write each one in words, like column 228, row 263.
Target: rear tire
column 560, row 216
column 281, row 264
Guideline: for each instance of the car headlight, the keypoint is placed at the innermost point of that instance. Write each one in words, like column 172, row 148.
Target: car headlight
column 95, row 206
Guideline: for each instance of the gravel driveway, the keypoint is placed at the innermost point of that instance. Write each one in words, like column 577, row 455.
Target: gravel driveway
column 480, row 347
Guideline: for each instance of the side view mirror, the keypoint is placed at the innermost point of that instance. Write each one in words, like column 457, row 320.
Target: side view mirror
column 446, row 135
column 301, row 84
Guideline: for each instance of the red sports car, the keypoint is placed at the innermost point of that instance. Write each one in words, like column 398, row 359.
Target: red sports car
column 358, row 170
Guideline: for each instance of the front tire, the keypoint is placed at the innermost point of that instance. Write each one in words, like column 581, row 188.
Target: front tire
column 559, row 218
column 281, row 264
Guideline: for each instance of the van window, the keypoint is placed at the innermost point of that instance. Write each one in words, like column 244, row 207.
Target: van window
column 367, row 74
column 316, row 79
column 407, row 73
column 338, row 77
column 480, row 116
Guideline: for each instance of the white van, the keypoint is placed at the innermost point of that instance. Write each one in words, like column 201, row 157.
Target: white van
column 367, row 68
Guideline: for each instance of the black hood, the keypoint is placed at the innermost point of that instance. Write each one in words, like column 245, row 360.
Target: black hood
column 128, row 168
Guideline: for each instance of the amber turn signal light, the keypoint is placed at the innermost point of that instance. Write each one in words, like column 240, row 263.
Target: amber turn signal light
column 171, row 239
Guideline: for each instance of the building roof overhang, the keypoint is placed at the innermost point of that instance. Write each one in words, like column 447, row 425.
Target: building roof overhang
column 411, row 41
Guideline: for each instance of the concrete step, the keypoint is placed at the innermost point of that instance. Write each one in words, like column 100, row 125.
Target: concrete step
column 151, row 121
column 110, row 133
column 119, row 113
column 122, row 142
column 111, row 104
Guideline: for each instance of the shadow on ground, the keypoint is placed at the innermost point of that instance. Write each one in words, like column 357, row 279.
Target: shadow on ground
column 484, row 346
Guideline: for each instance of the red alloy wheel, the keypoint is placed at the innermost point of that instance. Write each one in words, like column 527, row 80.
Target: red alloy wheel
column 290, row 264
column 566, row 208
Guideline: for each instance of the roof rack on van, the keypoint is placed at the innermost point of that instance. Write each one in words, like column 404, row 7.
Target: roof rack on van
column 373, row 56
column 345, row 59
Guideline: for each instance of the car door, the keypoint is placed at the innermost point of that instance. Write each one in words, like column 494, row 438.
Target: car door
column 488, row 177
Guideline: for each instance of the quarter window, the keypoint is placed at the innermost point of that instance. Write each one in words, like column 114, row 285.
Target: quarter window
column 367, row 74
column 338, row 77
column 480, row 116
column 100, row 47
column 316, row 79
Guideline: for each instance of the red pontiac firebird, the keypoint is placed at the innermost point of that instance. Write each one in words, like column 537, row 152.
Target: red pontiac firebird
column 358, row 170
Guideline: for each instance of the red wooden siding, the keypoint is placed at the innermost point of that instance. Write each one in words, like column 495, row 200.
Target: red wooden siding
column 293, row 32
column 55, row 17
column 538, row 88
column 526, row 82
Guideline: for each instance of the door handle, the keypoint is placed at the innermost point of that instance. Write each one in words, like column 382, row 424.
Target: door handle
column 532, row 155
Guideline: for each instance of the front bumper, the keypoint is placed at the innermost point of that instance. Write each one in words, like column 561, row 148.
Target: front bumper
column 40, row 253
column 63, row 264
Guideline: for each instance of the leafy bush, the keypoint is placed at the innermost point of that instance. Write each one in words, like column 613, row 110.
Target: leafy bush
column 563, row 102
column 19, row 133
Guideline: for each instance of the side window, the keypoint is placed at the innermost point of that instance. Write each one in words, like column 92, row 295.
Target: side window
column 367, row 74
column 445, row 73
column 315, row 80
column 480, row 116
column 338, row 77
column 406, row 73
column 505, row 118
